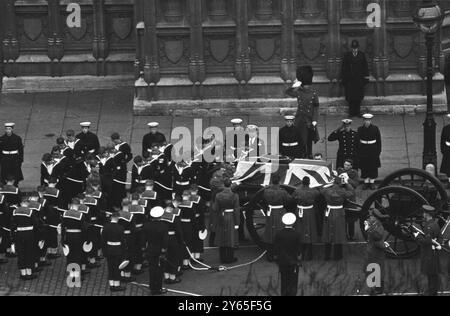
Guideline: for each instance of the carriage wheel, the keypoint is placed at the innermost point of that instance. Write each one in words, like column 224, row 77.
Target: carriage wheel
column 255, row 215
column 401, row 206
column 430, row 187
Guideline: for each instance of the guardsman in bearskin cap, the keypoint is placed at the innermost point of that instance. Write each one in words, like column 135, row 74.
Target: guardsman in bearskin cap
column 113, row 244
column 308, row 107
column 306, row 199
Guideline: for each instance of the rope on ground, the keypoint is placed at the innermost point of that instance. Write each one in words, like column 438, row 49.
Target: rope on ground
column 221, row 268
column 147, row 286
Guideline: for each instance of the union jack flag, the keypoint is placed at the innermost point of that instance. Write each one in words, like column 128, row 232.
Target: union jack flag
column 258, row 173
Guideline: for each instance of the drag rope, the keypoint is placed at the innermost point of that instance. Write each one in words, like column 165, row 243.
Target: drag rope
column 221, row 268
column 147, row 287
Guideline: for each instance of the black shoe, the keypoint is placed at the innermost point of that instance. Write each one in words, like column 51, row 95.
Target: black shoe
column 44, row 264
column 4, row 261
column 137, row 272
column 53, row 256
column 84, row 272
column 365, row 187
column 128, row 279
column 11, row 255
column 351, row 238
column 99, row 258
column 185, row 268
column 160, row 292
column 180, row 273
column 94, row 265
column 170, row 281
column 38, row 269
column 117, row 288
column 28, row 277
column 372, row 187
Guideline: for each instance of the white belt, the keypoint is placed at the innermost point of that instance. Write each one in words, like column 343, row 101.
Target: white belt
column 73, row 180
column 290, row 144
column 182, row 183
column 141, row 181
column 330, row 207
column 274, row 207
column 120, row 182
column 302, row 208
column 114, row 243
column 53, row 226
column 73, row 230
column 171, row 233
column 368, row 142
column 163, row 186
column 447, row 143
column 14, row 152
column 24, row 229
column 6, row 229
column 93, row 218
column 229, row 211
column 139, row 225
column 185, row 220
column 46, row 181
column 91, row 151
column 127, row 232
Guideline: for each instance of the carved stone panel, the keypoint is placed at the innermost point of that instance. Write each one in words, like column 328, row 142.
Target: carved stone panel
column 32, row 28
column 174, row 51
column 219, row 50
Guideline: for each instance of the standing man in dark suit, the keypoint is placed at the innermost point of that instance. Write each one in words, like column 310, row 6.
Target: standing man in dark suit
column 445, row 150
column 156, row 236
column 11, row 155
column 355, row 75
column 89, row 140
column 287, row 251
column 369, row 152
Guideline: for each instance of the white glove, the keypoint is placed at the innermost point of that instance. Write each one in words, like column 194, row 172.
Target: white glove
column 314, row 123
column 236, row 227
column 268, row 213
column 386, row 244
column 416, row 235
column 13, row 248
column 297, row 84
column 438, row 248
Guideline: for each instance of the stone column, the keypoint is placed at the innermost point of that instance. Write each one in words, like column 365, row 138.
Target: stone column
column 197, row 68
column 310, row 9
column 218, row 10
column 150, row 49
column 356, row 9
column 243, row 66
column 173, row 11
column 264, row 9
column 288, row 51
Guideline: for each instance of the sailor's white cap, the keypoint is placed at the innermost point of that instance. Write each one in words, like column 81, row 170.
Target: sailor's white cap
column 157, row 212
column 347, row 121
column 252, row 127
column 153, row 124
column 236, row 121
column 289, row 219
column 289, row 117
column 85, row 124
column 368, row 116
column 10, row 124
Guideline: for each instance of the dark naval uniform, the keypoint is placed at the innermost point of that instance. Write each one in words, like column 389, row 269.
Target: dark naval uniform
column 175, row 241
column 334, row 231
column 24, row 224
column 89, row 143
column 163, row 180
column 151, row 140
column 226, row 206
column 290, row 143
column 348, row 146
column 307, row 112
column 121, row 159
column 287, row 250
column 445, row 150
column 369, row 151
column 156, row 237
column 306, row 225
column 140, row 175
column 429, row 255
column 74, row 235
column 113, row 245
column 11, row 157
